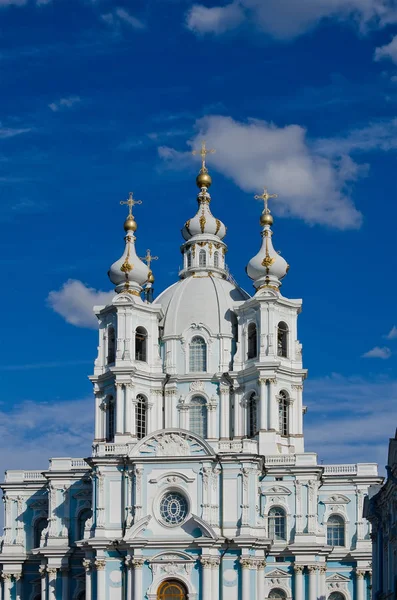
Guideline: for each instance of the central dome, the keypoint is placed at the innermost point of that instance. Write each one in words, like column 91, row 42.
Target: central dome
column 208, row 300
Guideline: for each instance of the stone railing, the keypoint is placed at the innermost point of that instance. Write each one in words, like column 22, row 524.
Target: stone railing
column 250, row 446
column 110, row 449
column 68, row 464
column 280, row 459
column 21, row 476
column 340, row 469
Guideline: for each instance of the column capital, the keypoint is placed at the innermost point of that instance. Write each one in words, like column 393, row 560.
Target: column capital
column 360, row 573
column 206, row 562
column 322, row 569
column 43, row 570
column 128, row 561
column 247, row 563
column 312, row 568
column 6, row 576
column 52, row 571
column 299, row 568
column 87, row 564
column 100, row 564
column 138, row 562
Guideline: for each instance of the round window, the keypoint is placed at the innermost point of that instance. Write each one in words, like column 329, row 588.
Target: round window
column 173, row 508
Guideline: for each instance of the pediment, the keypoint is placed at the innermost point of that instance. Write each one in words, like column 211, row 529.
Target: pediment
column 337, row 578
column 277, row 573
column 276, row 490
column 137, row 528
column 172, row 443
column 173, row 557
column 336, row 499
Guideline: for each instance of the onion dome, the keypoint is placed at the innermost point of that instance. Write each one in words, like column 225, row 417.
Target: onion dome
column 203, row 222
column 267, row 268
column 129, row 273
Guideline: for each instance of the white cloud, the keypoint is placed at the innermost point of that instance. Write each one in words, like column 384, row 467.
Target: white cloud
column 120, row 16
column 64, row 103
column 388, row 51
column 9, row 132
column 380, row 135
column 392, row 335
column 75, row 302
column 256, row 153
column 287, row 19
column 378, row 352
column 350, row 419
column 217, row 19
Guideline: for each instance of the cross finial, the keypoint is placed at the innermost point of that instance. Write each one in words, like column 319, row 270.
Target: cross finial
column 265, row 197
column 203, row 153
column 148, row 258
column 131, row 202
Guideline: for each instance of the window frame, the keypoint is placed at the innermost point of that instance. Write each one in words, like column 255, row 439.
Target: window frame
column 111, row 345
column 283, row 413
column 110, row 420
column 194, row 357
column 81, row 523
column 282, row 351
column 202, row 258
column 161, row 592
column 334, row 533
column 272, row 528
column 42, row 520
column 141, row 353
column 282, row 596
column 141, row 406
column 252, row 415
column 194, row 404
column 252, row 341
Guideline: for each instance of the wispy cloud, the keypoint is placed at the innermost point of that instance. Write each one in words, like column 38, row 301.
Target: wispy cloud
column 378, row 135
column 121, row 16
column 64, row 103
column 388, row 51
column 311, row 186
column 378, row 352
column 286, row 19
column 75, row 302
column 392, row 335
column 9, row 132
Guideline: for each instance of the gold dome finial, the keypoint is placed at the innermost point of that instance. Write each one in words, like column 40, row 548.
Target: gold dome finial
column 148, row 259
column 130, row 223
column 266, row 217
column 203, row 179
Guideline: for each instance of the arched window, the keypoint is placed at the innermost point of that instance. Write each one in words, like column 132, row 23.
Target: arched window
column 141, row 344
column 83, row 517
column 202, row 258
column 252, row 341
column 111, row 346
column 282, row 339
column 172, row 590
column 110, row 424
column 198, row 416
column 140, row 416
column 277, row 523
column 336, row 596
column 189, row 259
column 335, row 531
column 197, row 355
column 252, row 416
column 216, row 259
column 283, row 413
column 39, row 526
column 277, row 594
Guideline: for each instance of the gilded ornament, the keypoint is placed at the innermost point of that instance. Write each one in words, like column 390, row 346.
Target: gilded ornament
column 203, row 178
column 126, row 267
column 268, row 261
column 210, row 246
column 202, row 223
column 187, row 225
column 218, row 225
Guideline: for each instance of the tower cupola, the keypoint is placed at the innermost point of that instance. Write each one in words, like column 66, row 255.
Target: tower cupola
column 129, row 273
column 267, row 268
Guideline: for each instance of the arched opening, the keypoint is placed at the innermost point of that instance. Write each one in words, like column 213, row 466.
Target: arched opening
column 83, row 517
column 140, row 416
column 282, row 339
column 336, row 596
column 252, row 416
column 197, row 355
column 277, row 523
column 141, row 344
column 202, row 258
column 277, row 594
column 252, row 341
column 111, row 346
column 198, row 416
column 216, row 259
column 172, row 590
column 111, row 420
column 283, row 413
column 189, row 259
column 38, row 528
column 335, row 531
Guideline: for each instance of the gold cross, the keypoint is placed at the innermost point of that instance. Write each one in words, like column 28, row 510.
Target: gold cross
column 131, row 202
column 203, row 153
column 266, row 197
column 148, row 258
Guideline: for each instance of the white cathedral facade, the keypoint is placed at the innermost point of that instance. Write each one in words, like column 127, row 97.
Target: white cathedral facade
column 198, row 486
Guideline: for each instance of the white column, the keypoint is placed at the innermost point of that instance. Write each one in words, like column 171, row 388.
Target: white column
column 128, row 564
column 138, row 587
column 260, row 580
column 360, row 583
column 184, row 417
column 7, row 586
column 245, row 568
column 238, row 415
column 120, row 408
column 52, row 582
column 224, row 405
column 312, row 582
column 206, row 576
column 65, row 583
column 128, row 409
column 322, row 581
column 43, row 573
column 298, row 582
column 263, row 405
column 87, row 564
column 98, row 415
column 100, row 564
column 215, row 578
column 273, row 406
column 212, row 413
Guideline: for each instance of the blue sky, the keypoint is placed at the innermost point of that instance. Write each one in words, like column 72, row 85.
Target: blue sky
column 102, row 97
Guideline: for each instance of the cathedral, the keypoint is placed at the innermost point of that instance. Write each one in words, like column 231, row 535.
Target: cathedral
column 198, row 486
